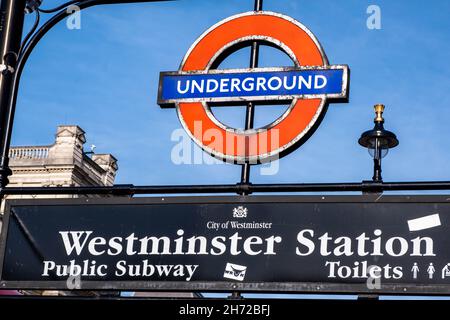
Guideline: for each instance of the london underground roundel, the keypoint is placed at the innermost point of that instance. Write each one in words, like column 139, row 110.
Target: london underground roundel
column 308, row 86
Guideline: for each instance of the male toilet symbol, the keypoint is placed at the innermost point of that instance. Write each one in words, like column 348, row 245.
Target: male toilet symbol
column 415, row 270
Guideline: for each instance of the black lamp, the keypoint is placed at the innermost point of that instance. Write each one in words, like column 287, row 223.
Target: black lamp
column 378, row 141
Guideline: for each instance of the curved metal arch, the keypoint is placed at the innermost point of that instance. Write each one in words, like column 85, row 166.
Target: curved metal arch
column 29, row 47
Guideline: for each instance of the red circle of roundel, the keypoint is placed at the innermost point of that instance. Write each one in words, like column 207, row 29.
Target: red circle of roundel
column 256, row 144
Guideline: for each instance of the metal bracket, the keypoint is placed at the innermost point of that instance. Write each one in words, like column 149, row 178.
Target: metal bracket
column 5, row 69
column 32, row 5
column 371, row 187
column 244, row 188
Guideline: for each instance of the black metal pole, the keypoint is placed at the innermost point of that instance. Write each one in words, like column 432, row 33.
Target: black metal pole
column 11, row 23
column 250, row 111
column 377, row 163
column 130, row 190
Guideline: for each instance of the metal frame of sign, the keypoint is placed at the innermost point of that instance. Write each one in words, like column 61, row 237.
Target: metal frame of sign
column 224, row 286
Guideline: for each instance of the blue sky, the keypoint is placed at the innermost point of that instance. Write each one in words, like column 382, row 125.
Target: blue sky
column 104, row 78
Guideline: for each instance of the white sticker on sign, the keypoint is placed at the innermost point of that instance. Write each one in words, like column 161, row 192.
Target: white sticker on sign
column 235, row 272
column 426, row 222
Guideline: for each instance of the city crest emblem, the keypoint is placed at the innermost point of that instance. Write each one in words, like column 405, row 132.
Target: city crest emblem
column 240, row 212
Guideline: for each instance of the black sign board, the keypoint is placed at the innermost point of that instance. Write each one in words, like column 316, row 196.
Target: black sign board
column 342, row 244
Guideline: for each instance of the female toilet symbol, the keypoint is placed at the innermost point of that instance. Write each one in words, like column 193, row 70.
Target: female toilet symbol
column 431, row 270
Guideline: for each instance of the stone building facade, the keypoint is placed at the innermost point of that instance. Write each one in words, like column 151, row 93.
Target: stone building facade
column 64, row 163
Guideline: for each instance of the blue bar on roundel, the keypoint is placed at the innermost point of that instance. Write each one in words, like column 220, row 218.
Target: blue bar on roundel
column 259, row 85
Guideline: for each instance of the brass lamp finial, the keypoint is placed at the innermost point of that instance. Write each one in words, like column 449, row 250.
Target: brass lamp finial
column 379, row 109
